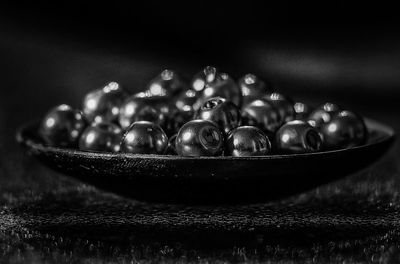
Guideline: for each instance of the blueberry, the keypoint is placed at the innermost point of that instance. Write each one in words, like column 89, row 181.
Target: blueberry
column 302, row 110
column 62, row 126
column 101, row 137
column 323, row 114
column 224, row 113
column 102, row 105
column 224, row 87
column 284, row 105
column 167, row 83
column 139, row 107
column 262, row 114
column 199, row 138
column 176, row 120
column 247, row 141
column 345, row 130
column 297, row 137
column 252, row 88
column 144, row 137
column 205, row 77
column 185, row 102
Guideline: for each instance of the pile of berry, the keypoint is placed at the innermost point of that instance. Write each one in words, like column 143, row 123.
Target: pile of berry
column 211, row 116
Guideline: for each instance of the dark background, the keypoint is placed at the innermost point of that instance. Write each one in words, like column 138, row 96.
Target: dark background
column 337, row 51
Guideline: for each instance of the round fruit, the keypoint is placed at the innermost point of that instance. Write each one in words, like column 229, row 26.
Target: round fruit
column 144, row 137
column 167, row 83
column 323, row 114
column 297, row 137
column 252, row 88
column 247, row 141
column 224, row 113
column 224, row 87
column 199, row 138
column 283, row 105
column 62, row 126
column 140, row 107
column 262, row 114
column 101, row 137
column 345, row 130
column 201, row 79
column 102, row 105
column 302, row 110
column 186, row 100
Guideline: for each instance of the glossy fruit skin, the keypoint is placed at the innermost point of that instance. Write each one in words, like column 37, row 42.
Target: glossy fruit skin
column 171, row 148
column 297, row 137
column 345, row 130
column 62, row 126
column 205, row 77
column 167, row 83
column 185, row 103
column 323, row 114
column 101, row 137
column 176, row 120
column 224, row 87
column 252, row 88
column 140, row 107
column 262, row 114
column 199, row 138
column 186, row 111
column 144, row 137
column 224, row 113
column 102, row 105
column 302, row 110
column 247, row 141
column 284, row 105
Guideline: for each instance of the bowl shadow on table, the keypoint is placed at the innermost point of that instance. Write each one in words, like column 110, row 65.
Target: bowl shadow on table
column 113, row 221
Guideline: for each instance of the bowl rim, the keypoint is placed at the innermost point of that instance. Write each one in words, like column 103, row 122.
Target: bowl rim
column 24, row 139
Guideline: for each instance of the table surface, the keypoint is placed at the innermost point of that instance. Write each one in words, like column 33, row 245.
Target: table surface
column 45, row 216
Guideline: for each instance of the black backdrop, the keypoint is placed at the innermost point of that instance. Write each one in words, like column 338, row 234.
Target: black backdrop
column 55, row 53
column 336, row 44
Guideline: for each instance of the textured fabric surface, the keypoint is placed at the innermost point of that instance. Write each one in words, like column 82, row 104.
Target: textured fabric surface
column 47, row 217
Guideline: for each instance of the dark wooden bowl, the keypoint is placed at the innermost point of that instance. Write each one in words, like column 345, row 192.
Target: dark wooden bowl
column 208, row 180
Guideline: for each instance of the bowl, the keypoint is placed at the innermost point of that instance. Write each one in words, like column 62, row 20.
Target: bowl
column 208, row 180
